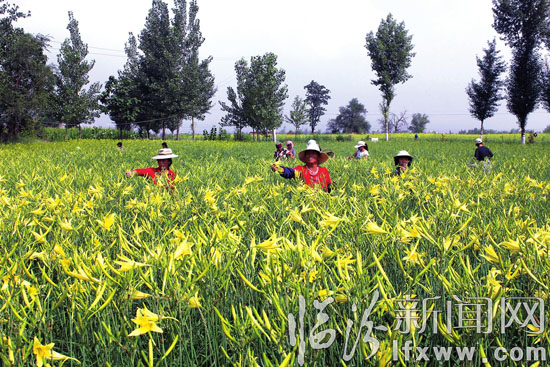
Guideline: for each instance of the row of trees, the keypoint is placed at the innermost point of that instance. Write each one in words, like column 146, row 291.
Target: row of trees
column 163, row 82
column 524, row 25
column 32, row 92
column 391, row 53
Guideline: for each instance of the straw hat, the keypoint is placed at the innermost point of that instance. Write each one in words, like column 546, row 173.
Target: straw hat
column 165, row 153
column 312, row 145
column 360, row 144
column 479, row 141
column 402, row 153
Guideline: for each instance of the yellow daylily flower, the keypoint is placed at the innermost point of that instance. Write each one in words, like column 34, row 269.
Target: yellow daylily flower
column 194, row 301
column 511, row 245
column 66, row 225
column 128, row 265
column 183, row 249
column 46, row 352
column 373, row 228
column 147, row 321
column 269, row 245
column 491, row 255
column 107, row 222
column 330, row 221
column 135, row 295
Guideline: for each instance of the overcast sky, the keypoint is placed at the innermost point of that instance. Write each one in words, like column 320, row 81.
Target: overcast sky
column 317, row 40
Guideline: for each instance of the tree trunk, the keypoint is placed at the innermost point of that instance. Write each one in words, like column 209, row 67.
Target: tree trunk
column 79, row 132
column 386, row 123
column 523, row 135
column 481, row 132
column 274, row 135
column 163, row 130
column 193, row 127
column 296, row 134
column 120, row 133
column 66, row 132
column 178, row 130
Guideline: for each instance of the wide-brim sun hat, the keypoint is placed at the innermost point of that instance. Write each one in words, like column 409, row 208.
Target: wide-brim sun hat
column 402, row 153
column 313, row 146
column 360, row 144
column 165, row 153
column 479, row 141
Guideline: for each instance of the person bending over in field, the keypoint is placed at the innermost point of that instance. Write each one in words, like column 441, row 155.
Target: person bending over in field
column 164, row 160
column 402, row 160
column 119, row 146
column 482, row 151
column 280, row 152
column 290, row 151
column 310, row 173
column 362, row 151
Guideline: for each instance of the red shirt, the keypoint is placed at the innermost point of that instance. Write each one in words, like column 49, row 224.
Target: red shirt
column 154, row 173
column 322, row 176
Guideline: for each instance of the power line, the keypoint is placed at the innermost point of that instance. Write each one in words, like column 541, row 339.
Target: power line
column 99, row 48
column 93, row 53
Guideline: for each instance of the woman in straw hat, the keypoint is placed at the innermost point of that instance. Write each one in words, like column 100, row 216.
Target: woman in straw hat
column 310, row 173
column 402, row 160
column 362, row 151
column 164, row 160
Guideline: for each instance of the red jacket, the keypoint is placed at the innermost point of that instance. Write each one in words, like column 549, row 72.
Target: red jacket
column 154, row 173
column 322, row 177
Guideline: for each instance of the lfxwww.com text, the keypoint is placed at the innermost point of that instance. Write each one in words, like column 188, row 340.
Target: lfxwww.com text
column 410, row 353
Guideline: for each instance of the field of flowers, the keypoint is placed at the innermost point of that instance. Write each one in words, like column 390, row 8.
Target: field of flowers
column 238, row 267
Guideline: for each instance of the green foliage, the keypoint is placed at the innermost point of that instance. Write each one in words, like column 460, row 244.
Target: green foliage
column 351, row 119
column 523, row 88
column 120, row 99
column 523, row 25
column 56, row 134
column 298, row 114
column 259, row 99
column 25, row 82
column 545, row 86
column 317, row 96
column 485, row 94
column 72, row 103
column 25, row 79
column 390, row 51
column 344, row 138
column 418, row 123
column 74, row 280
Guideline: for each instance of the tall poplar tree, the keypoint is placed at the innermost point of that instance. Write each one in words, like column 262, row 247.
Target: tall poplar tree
column 73, row 103
column 121, row 97
column 485, row 94
column 391, row 54
column 545, row 86
column 317, row 96
column 196, row 87
column 523, row 25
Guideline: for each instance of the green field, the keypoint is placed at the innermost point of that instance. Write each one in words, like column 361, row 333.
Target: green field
column 224, row 258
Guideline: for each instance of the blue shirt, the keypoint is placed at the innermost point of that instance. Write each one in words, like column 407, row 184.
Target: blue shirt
column 482, row 152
